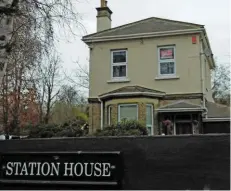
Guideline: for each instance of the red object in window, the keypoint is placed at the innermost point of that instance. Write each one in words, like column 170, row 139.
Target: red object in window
column 194, row 39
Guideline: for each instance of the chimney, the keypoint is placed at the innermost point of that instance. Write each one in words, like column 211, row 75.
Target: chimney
column 103, row 17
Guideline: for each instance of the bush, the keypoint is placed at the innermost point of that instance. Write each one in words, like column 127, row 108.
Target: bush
column 124, row 128
column 68, row 129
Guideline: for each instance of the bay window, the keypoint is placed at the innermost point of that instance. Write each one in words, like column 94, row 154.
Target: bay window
column 166, row 59
column 119, row 64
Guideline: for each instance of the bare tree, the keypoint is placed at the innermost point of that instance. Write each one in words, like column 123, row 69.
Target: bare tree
column 47, row 85
column 33, row 25
column 221, row 84
column 80, row 76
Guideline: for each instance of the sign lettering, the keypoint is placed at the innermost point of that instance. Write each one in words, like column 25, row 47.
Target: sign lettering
column 80, row 166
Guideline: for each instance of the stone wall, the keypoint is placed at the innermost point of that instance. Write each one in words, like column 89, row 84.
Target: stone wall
column 94, row 117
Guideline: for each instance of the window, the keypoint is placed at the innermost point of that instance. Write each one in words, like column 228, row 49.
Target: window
column 149, row 119
column 128, row 112
column 119, row 64
column 167, row 64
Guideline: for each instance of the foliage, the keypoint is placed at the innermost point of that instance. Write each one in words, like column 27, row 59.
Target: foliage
column 124, row 128
column 63, row 112
column 221, row 84
column 68, row 129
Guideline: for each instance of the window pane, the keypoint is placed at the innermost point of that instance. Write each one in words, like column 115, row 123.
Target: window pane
column 128, row 112
column 167, row 68
column 119, row 57
column 148, row 115
column 166, row 53
column 119, row 71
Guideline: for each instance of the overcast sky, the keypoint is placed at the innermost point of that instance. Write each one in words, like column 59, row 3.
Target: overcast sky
column 214, row 14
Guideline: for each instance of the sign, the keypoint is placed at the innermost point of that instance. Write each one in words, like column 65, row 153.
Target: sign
column 76, row 168
column 166, row 53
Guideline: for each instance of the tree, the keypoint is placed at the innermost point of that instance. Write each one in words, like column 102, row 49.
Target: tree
column 80, row 77
column 221, row 84
column 70, row 105
column 47, row 85
column 34, row 33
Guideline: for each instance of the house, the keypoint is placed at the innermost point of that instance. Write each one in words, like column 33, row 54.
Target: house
column 151, row 70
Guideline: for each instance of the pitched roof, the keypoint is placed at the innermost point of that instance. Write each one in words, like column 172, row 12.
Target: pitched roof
column 180, row 104
column 133, row 89
column 149, row 25
column 217, row 110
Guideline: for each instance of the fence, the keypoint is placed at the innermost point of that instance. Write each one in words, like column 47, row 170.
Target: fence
column 158, row 162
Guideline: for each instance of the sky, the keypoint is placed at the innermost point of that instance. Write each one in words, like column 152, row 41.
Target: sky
column 214, row 14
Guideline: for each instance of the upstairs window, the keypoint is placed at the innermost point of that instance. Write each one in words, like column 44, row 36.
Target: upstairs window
column 166, row 57
column 119, row 64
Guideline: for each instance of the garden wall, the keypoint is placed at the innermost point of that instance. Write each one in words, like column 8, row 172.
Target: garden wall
column 159, row 162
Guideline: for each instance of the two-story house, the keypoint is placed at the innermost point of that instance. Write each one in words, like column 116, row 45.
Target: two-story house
column 151, row 70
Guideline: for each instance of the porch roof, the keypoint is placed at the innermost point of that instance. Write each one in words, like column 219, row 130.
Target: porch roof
column 180, row 106
column 132, row 90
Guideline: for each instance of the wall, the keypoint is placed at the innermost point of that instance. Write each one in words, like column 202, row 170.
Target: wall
column 156, row 163
column 143, row 65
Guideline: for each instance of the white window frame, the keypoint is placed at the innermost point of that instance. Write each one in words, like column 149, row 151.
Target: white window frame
column 137, row 114
column 119, row 64
column 109, row 114
column 152, row 125
column 167, row 60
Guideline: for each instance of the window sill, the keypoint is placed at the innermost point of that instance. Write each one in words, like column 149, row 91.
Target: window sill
column 124, row 80
column 166, row 77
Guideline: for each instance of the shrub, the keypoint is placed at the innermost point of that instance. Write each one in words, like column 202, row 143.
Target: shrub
column 67, row 129
column 124, row 128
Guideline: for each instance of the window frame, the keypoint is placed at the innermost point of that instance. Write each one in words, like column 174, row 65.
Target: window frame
column 109, row 114
column 125, row 104
column 119, row 64
column 167, row 60
column 152, row 115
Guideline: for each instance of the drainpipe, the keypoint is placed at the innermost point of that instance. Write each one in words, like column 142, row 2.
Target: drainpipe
column 101, row 114
column 203, row 75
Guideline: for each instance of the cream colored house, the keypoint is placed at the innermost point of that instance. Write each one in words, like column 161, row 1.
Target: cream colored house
column 151, row 70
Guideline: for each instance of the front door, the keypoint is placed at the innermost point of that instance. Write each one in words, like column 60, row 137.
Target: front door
column 183, row 128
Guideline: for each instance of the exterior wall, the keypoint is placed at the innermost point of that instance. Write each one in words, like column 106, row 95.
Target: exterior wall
column 143, row 59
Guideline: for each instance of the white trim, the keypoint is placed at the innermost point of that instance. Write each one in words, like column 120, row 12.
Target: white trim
column 152, row 116
column 215, row 119
column 101, row 113
column 166, row 61
column 119, row 64
column 163, row 77
column 179, row 109
column 109, row 114
column 133, row 93
column 121, row 80
column 141, row 35
column 127, row 104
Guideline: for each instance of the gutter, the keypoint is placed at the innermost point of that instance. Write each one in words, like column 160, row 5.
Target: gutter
column 207, row 44
column 141, row 35
column 133, row 93
column 101, row 114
